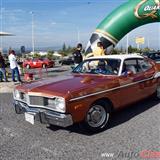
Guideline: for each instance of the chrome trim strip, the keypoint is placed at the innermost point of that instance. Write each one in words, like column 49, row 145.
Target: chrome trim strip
column 157, row 75
column 109, row 90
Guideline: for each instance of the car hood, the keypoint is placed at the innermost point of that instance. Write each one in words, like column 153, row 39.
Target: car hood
column 71, row 85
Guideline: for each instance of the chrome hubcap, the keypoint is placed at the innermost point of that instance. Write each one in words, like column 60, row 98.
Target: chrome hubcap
column 96, row 116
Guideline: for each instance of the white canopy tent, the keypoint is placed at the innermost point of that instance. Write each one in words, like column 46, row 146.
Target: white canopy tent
column 2, row 34
column 6, row 34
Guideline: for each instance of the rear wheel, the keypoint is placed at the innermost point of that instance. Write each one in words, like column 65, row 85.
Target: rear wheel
column 97, row 117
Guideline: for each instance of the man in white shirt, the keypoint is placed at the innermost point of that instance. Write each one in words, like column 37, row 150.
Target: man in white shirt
column 14, row 66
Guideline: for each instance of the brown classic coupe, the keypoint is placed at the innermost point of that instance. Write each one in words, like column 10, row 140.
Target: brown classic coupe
column 90, row 93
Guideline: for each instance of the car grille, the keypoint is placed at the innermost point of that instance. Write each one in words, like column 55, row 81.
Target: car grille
column 37, row 100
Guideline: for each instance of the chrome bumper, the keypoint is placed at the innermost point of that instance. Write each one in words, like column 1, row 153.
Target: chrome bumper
column 43, row 115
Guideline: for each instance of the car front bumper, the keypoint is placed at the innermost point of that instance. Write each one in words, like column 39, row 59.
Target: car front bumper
column 43, row 115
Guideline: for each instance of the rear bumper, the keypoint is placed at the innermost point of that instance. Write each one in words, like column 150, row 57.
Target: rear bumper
column 44, row 116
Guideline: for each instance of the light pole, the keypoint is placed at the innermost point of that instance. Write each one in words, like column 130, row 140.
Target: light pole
column 1, row 28
column 33, row 39
column 148, row 43
column 78, row 35
column 78, row 32
column 127, row 43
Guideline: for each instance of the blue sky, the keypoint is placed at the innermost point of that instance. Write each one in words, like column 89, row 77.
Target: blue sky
column 58, row 21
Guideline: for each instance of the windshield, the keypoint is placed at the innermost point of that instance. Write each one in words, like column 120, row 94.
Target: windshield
column 99, row 66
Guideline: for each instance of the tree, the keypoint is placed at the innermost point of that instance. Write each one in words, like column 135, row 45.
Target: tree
column 49, row 55
column 50, row 51
column 132, row 49
column 121, row 49
column 36, row 55
column 114, row 51
column 64, row 47
column 146, row 49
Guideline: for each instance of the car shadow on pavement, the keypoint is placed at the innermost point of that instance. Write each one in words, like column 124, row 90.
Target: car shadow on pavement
column 117, row 118
column 124, row 115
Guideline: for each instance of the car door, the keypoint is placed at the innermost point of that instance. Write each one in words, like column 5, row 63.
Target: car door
column 40, row 62
column 129, row 83
column 149, row 85
column 34, row 63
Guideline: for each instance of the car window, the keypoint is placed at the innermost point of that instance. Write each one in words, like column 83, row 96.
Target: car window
column 130, row 65
column 99, row 66
column 144, row 64
column 34, row 59
column 157, row 56
column 152, row 56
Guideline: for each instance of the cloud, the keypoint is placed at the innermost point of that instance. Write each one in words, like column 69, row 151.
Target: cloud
column 14, row 11
column 54, row 23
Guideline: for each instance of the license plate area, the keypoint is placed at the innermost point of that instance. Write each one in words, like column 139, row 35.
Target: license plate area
column 29, row 117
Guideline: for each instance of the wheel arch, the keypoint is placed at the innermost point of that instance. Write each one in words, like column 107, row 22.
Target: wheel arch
column 104, row 101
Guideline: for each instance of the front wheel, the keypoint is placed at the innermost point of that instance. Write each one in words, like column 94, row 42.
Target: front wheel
column 97, row 117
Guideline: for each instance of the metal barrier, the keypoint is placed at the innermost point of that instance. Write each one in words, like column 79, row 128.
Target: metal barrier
column 34, row 74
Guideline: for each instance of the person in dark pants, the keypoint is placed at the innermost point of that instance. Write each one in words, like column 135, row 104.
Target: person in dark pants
column 2, row 69
column 77, row 55
column 14, row 66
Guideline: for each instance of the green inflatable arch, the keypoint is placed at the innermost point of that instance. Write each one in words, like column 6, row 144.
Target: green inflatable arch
column 124, row 19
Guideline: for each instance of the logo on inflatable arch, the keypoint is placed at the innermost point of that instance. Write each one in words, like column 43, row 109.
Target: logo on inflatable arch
column 128, row 16
column 146, row 9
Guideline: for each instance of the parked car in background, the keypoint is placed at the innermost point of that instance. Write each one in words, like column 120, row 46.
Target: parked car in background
column 67, row 61
column 153, row 55
column 90, row 93
column 38, row 63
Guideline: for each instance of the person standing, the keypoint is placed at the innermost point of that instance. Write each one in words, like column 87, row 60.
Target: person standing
column 77, row 55
column 2, row 68
column 99, row 51
column 14, row 66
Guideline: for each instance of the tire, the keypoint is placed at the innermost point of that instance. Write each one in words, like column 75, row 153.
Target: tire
column 97, row 117
column 28, row 66
column 43, row 66
column 18, row 110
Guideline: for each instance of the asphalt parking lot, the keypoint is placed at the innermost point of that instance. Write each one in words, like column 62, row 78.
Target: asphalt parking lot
column 130, row 131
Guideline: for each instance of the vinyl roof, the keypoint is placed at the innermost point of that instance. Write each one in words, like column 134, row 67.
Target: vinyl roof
column 122, row 56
